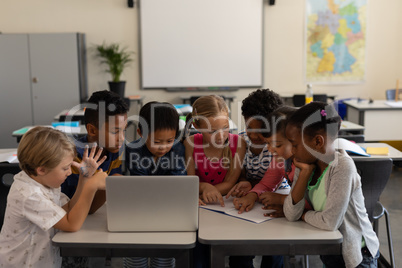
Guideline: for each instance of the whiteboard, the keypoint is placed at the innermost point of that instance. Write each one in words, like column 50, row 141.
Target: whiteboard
column 201, row 43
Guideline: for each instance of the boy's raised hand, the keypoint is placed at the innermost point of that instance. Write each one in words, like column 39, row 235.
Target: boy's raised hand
column 240, row 189
column 90, row 162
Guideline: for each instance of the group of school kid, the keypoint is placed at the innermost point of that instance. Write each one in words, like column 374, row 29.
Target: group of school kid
column 285, row 159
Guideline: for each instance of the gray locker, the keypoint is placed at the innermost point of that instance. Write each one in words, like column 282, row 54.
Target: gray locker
column 40, row 75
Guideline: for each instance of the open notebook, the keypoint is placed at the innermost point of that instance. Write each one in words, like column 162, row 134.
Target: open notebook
column 255, row 215
column 396, row 104
column 350, row 147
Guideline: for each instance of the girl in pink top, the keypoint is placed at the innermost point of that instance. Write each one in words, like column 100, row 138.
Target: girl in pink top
column 207, row 170
column 280, row 170
column 214, row 155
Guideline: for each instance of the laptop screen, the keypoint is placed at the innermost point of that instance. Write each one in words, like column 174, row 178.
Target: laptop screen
column 152, row 203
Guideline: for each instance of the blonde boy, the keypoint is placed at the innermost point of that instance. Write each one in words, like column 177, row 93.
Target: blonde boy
column 35, row 205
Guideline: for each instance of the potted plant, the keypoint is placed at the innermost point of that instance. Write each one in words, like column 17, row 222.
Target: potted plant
column 116, row 58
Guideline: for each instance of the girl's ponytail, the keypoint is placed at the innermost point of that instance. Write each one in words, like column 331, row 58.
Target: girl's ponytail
column 227, row 154
column 186, row 131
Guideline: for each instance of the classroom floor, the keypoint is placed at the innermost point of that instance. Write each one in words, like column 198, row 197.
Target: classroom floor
column 391, row 199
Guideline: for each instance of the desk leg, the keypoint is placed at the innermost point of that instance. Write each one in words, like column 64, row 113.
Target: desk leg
column 306, row 264
column 217, row 257
column 183, row 259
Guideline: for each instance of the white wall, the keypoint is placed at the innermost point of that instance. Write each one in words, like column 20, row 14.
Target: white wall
column 113, row 21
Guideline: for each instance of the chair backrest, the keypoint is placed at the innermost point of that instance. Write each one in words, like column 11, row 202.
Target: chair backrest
column 7, row 172
column 320, row 97
column 374, row 173
column 193, row 99
column 300, row 99
column 390, row 94
column 358, row 138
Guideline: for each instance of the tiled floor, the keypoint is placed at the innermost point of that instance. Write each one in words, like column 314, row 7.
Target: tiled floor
column 391, row 199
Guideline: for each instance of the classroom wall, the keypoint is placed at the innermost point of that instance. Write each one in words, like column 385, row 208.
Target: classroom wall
column 113, row 21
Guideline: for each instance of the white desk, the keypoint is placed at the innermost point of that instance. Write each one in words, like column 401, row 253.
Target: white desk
column 381, row 121
column 77, row 113
column 20, row 132
column 7, row 155
column 394, row 154
column 230, row 236
column 348, row 127
column 93, row 240
column 7, row 150
column 74, row 116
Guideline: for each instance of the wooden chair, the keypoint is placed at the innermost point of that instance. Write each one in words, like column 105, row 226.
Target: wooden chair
column 374, row 173
column 7, row 172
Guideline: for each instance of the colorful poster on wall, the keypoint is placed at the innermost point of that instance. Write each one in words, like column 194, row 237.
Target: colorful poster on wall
column 335, row 41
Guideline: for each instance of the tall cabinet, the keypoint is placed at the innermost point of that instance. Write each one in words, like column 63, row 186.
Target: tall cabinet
column 40, row 75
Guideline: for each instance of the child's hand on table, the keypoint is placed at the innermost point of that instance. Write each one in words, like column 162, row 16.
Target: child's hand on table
column 200, row 202
column 240, row 189
column 212, row 195
column 270, row 198
column 245, row 203
column 278, row 213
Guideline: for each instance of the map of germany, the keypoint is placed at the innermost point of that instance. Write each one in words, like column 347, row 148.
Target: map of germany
column 335, row 41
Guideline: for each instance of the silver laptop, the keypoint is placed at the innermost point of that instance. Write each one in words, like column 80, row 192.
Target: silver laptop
column 152, row 203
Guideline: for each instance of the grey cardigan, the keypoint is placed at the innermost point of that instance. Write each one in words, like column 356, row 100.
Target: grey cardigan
column 344, row 209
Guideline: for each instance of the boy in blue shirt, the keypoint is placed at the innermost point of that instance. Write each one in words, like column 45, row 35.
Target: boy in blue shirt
column 105, row 120
column 157, row 152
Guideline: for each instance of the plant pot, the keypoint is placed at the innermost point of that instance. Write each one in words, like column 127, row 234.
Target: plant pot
column 118, row 87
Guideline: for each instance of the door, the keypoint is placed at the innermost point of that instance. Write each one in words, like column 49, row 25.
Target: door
column 54, row 74
column 15, row 87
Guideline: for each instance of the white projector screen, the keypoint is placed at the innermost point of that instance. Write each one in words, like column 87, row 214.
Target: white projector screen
column 201, row 43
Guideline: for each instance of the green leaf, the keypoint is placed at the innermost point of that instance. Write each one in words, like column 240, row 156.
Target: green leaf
column 115, row 57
